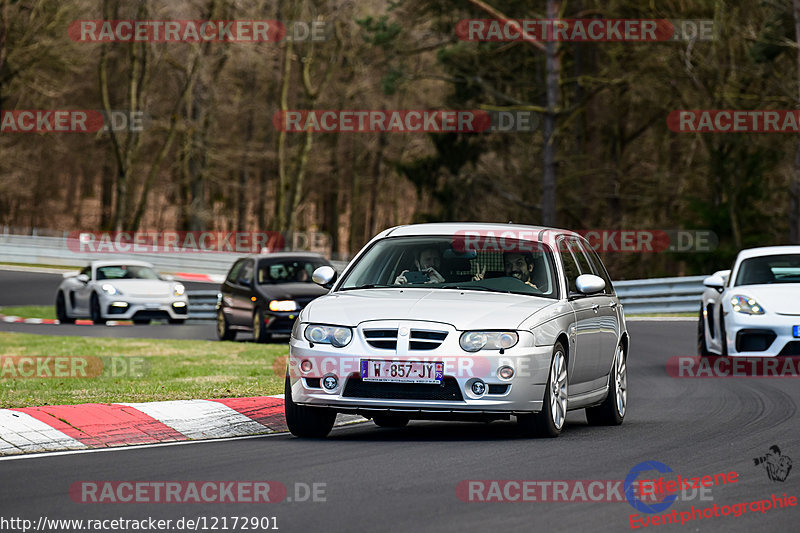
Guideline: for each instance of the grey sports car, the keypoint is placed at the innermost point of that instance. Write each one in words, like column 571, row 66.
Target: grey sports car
column 461, row 322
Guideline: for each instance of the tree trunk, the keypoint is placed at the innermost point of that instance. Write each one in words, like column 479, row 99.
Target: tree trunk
column 552, row 76
column 794, row 195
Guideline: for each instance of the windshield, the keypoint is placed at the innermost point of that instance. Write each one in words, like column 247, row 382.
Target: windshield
column 288, row 271
column 432, row 262
column 126, row 272
column 769, row 269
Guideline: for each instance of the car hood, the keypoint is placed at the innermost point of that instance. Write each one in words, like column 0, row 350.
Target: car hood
column 291, row 291
column 140, row 288
column 462, row 309
column 781, row 298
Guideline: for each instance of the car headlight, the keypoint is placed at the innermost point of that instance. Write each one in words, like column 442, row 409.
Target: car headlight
column 178, row 289
column 746, row 305
column 110, row 289
column 472, row 341
column 283, row 305
column 337, row 336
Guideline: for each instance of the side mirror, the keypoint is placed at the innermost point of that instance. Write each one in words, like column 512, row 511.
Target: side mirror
column 168, row 277
column 83, row 278
column 590, row 284
column 324, row 276
column 715, row 281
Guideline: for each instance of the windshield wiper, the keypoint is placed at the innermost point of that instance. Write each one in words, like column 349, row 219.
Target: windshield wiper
column 371, row 286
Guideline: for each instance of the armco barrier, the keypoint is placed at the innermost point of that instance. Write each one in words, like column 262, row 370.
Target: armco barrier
column 660, row 295
column 657, row 295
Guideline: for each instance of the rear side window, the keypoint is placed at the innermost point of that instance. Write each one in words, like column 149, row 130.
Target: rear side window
column 571, row 270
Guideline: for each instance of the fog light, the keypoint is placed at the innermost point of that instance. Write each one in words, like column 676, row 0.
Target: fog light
column 505, row 372
column 478, row 388
column 330, row 382
column 306, row 366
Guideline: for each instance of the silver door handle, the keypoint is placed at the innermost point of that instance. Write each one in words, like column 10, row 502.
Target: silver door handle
column 595, row 307
column 613, row 305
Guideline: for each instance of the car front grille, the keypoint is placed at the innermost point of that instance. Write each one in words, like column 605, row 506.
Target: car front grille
column 447, row 391
column 426, row 340
column 420, row 340
column 383, row 339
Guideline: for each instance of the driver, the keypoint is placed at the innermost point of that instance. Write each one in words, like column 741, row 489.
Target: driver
column 519, row 265
column 427, row 259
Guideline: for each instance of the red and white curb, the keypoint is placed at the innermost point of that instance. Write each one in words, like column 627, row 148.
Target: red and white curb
column 103, row 425
column 190, row 276
column 78, row 322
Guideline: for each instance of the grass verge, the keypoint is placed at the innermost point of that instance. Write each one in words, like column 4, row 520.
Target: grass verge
column 29, row 311
column 135, row 370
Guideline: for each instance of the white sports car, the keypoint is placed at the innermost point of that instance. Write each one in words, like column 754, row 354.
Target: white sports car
column 120, row 290
column 753, row 309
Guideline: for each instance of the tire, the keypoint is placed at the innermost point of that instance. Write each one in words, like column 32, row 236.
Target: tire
column 176, row 321
column 722, row 334
column 224, row 331
column 260, row 333
column 141, row 321
column 94, row 310
column 702, row 347
column 612, row 411
column 306, row 422
column 61, row 310
column 550, row 420
column 390, row 421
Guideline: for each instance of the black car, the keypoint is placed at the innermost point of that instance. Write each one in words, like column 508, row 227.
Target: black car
column 265, row 293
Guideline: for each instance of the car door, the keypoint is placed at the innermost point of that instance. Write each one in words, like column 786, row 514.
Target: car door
column 584, row 356
column 241, row 293
column 608, row 313
column 82, row 293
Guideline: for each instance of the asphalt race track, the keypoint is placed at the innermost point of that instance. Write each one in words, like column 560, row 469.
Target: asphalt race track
column 405, row 480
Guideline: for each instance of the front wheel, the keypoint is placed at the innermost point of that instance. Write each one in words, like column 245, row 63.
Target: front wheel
column 612, row 411
column 260, row 333
column 550, row 420
column 224, row 331
column 306, row 422
column 702, row 347
column 94, row 310
column 61, row 310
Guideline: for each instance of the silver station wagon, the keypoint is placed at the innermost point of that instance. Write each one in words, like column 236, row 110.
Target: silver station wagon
column 455, row 321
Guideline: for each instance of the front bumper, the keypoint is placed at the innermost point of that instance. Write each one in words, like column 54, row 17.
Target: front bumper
column 766, row 335
column 522, row 393
column 121, row 307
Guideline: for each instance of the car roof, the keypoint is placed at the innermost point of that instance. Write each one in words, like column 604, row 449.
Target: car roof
column 286, row 255
column 453, row 228
column 769, row 250
column 131, row 262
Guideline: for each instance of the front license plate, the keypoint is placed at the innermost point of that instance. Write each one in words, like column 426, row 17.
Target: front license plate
column 402, row 371
column 151, row 306
column 795, row 331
